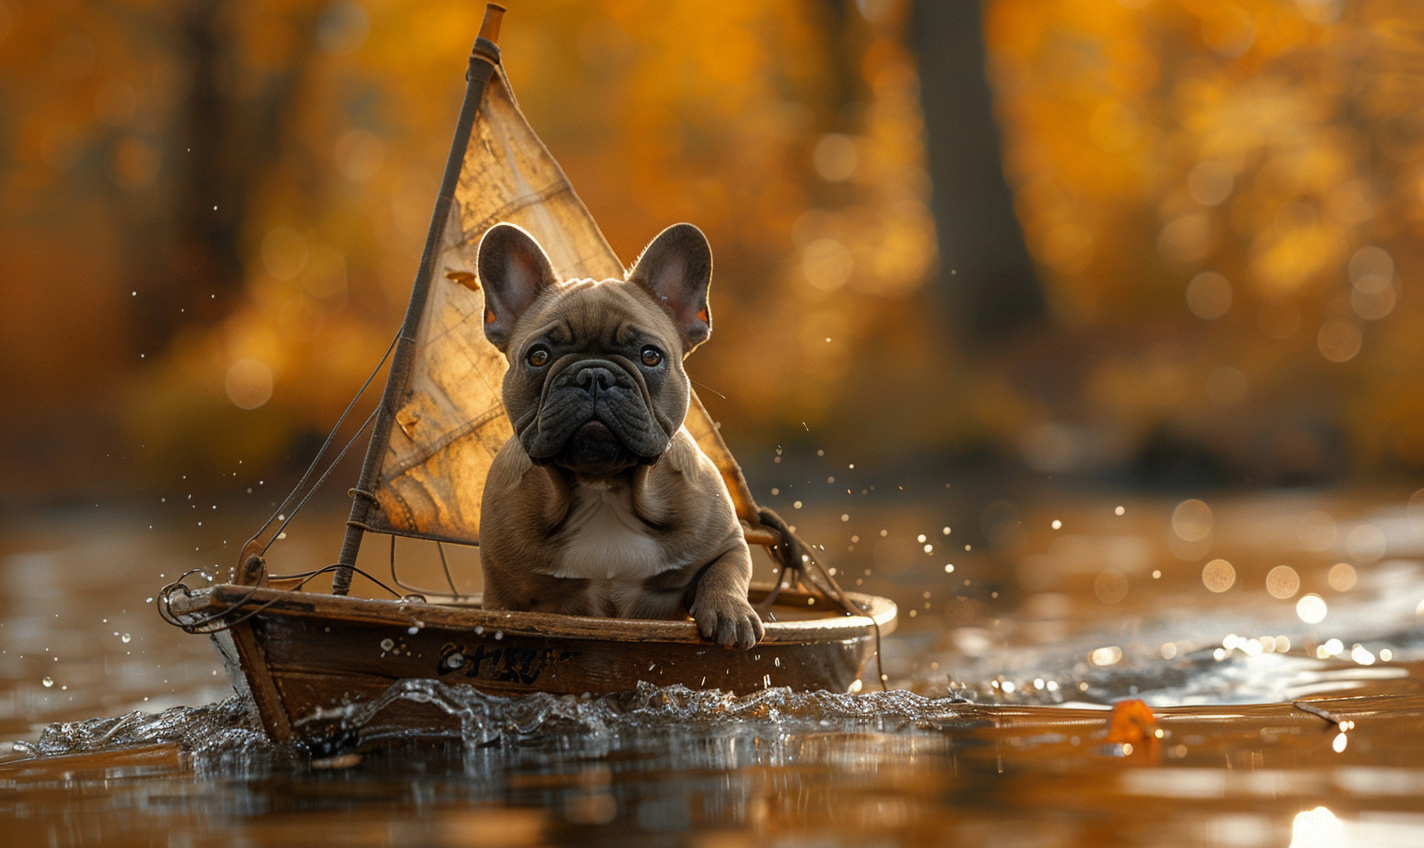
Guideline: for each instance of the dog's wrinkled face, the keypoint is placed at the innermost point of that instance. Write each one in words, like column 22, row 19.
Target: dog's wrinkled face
column 595, row 381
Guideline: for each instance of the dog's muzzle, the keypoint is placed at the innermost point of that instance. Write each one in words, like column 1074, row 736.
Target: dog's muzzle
column 595, row 416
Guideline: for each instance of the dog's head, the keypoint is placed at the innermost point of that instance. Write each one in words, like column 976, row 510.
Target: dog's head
column 595, row 381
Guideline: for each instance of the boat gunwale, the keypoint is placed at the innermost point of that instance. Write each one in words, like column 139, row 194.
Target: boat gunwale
column 404, row 613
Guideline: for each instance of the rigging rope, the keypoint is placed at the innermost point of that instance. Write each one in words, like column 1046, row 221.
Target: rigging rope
column 450, row 581
column 322, row 479
column 213, row 622
column 794, row 555
column 331, row 437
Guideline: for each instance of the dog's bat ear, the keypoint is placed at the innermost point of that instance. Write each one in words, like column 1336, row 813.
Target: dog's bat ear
column 677, row 268
column 513, row 270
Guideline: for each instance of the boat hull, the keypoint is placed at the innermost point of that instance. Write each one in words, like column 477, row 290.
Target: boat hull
column 308, row 658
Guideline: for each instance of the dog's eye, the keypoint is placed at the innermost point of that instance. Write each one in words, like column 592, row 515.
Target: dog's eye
column 652, row 356
column 538, row 357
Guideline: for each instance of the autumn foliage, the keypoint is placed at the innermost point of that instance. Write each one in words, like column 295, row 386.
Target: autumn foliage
column 212, row 213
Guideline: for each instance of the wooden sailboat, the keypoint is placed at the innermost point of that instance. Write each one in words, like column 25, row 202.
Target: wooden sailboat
column 306, row 656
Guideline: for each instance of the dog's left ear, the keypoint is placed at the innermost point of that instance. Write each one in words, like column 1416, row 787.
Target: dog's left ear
column 677, row 269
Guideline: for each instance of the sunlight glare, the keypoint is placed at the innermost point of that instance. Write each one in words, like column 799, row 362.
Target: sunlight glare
column 1317, row 828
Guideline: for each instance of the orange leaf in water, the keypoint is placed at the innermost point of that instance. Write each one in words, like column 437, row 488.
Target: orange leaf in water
column 1131, row 723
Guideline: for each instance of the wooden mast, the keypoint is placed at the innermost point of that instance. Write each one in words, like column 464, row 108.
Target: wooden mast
column 484, row 57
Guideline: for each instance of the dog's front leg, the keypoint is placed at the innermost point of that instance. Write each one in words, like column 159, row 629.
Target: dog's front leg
column 718, row 601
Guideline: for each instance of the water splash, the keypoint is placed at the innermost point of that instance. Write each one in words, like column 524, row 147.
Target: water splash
column 485, row 719
column 225, row 737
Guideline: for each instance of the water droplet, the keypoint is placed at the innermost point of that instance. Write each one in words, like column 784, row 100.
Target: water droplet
column 48, row 682
column 387, row 644
column 126, row 638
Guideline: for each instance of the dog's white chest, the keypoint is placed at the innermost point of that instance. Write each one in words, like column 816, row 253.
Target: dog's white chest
column 605, row 541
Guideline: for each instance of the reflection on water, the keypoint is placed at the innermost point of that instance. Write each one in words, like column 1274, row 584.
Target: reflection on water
column 997, row 730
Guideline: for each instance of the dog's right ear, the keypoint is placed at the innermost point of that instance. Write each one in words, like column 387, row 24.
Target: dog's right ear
column 513, row 270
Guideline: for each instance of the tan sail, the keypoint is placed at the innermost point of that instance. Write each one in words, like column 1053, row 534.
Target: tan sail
column 450, row 421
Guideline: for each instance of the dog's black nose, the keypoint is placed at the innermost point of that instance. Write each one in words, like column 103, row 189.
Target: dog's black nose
column 595, row 379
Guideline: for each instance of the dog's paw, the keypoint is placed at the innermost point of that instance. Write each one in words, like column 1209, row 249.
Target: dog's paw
column 728, row 621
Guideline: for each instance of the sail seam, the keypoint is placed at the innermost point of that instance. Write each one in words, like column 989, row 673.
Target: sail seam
column 444, row 442
column 467, row 236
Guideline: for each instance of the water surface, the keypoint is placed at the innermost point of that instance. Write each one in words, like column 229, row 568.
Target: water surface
column 1282, row 707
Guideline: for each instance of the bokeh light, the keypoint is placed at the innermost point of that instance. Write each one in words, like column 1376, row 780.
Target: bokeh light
column 1311, row 609
column 1191, row 520
column 1218, row 575
column 1366, row 544
column 1339, row 340
column 1342, row 577
column 1282, row 582
column 248, row 383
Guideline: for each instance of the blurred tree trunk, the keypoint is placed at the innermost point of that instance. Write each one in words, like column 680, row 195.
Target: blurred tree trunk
column 986, row 279
column 186, row 257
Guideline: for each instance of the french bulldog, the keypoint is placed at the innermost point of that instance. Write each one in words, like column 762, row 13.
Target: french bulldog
column 601, row 503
